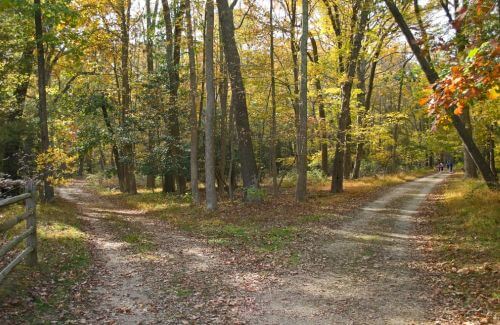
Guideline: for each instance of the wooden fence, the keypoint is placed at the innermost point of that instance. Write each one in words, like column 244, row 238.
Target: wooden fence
column 30, row 252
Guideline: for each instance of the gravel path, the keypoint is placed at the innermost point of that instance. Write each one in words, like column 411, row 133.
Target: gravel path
column 368, row 278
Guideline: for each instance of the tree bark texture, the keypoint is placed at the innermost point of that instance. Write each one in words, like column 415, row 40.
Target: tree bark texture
column 211, row 193
column 238, row 98
column 48, row 190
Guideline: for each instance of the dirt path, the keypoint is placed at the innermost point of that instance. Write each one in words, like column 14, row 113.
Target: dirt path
column 368, row 277
column 179, row 280
column 183, row 280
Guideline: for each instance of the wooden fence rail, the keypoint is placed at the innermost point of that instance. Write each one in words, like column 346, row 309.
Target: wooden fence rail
column 30, row 252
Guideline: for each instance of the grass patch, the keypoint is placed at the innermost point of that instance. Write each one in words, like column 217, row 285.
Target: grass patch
column 39, row 294
column 470, row 214
column 294, row 259
column 138, row 241
column 131, row 234
column 311, row 218
column 183, row 293
column 467, row 226
column 276, row 238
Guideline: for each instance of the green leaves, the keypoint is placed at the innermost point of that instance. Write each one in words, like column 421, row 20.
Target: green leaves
column 472, row 53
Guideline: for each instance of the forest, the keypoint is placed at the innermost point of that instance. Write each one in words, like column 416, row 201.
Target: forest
column 243, row 129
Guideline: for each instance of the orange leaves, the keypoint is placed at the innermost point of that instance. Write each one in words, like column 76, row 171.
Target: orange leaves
column 423, row 101
column 459, row 109
column 456, row 70
column 474, row 80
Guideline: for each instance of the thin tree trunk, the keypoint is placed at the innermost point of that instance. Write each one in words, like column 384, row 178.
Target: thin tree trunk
column 192, row 97
column 321, row 111
column 114, row 148
column 81, row 164
column 178, row 29
column 128, row 149
column 360, row 119
column 301, row 189
column 211, row 193
column 223, row 92
column 272, row 151
column 295, row 60
column 231, row 178
column 48, row 190
column 150, row 178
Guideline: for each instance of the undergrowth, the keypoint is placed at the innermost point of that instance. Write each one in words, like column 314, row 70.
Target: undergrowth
column 270, row 226
column 467, row 226
column 38, row 294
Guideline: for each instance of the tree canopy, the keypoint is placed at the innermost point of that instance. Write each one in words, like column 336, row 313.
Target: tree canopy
column 156, row 91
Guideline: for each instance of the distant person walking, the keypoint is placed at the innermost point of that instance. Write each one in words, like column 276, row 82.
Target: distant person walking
column 449, row 164
column 440, row 167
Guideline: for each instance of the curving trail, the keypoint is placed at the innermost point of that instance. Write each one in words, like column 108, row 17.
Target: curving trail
column 177, row 280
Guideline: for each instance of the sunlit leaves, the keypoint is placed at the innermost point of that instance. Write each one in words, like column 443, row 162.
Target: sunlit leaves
column 473, row 80
column 58, row 163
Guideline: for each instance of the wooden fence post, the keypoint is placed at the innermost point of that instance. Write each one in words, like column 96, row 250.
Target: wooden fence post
column 31, row 241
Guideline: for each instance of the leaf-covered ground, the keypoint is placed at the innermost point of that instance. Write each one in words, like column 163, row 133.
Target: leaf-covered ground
column 42, row 294
column 460, row 228
column 156, row 259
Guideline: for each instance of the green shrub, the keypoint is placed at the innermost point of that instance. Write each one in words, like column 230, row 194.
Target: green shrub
column 255, row 194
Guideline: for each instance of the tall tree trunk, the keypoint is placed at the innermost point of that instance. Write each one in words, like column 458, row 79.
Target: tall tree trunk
column 223, row 92
column 172, row 118
column 272, row 149
column 169, row 175
column 345, row 113
column 301, row 190
column 231, row 174
column 178, row 29
column 150, row 178
column 432, row 77
column 295, row 59
column 238, row 99
column 211, row 193
column 192, row 100
column 128, row 150
column 48, row 190
column 361, row 71
column 81, row 164
column 321, row 111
